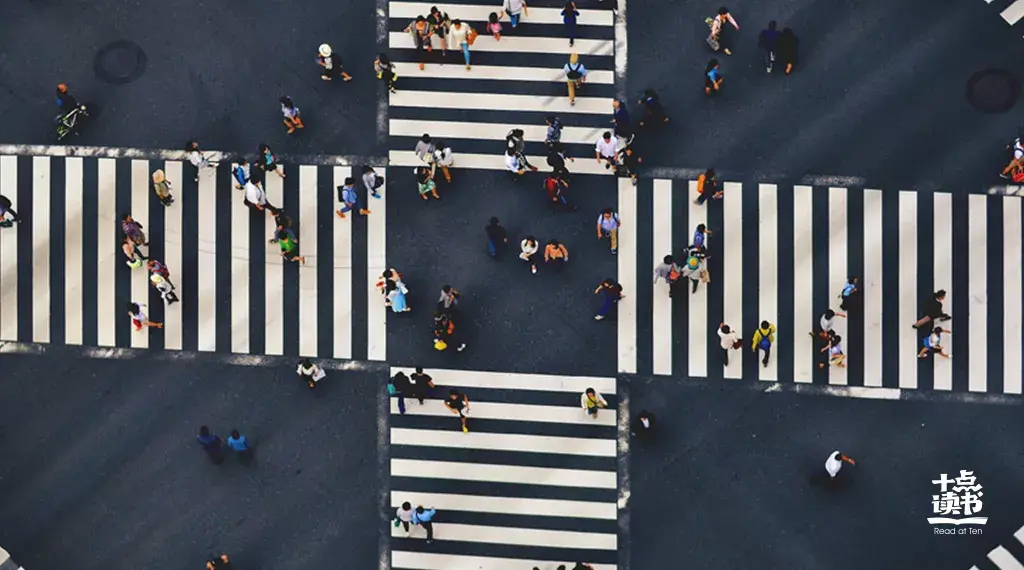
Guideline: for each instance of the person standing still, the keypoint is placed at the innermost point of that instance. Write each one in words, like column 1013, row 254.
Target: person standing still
column 763, row 339
column 424, row 518
column 497, row 238
column 569, row 16
column 575, row 75
column 730, row 341
column 608, row 225
column 458, row 404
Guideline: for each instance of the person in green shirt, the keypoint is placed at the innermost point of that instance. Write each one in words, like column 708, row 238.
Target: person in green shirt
column 290, row 249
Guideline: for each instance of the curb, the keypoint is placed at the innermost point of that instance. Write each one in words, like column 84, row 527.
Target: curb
column 6, row 563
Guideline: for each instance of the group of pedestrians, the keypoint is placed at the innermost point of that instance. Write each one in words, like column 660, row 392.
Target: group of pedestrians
column 779, row 47
column 216, row 447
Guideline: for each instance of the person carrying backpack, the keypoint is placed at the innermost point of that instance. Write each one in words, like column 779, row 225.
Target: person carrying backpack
column 575, row 76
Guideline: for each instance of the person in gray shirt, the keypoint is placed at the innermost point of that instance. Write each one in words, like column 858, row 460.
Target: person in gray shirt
column 425, row 148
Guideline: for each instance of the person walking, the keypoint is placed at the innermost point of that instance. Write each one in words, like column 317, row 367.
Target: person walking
column 268, row 160
column 133, row 253
column 515, row 141
column 240, row 444
column 282, row 228
column 528, row 248
column 695, row 271
column 556, row 254
column 139, row 318
column 197, row 158
column 669, row 271
column 310, row 373
column 607, row 149
column 826, row 322
column 569, row 16
column 458, row 404
column 764, row 336
column 349, row 199
column 162, row 188
column 462, row 36
column 404, row 515
column 420, row 384
column 497, row 238
column 622, row 121
column 398, row 385
column 608, row 224
column 445, row 333
column 721, row 36
column 933, row 343
column 425, row 148
column 240, row 172
column 440, row 24
column 290, row 249
column 420, row 31
column 292, row 118
column 553, row 134
column 164, row 287
column 611, row 293
column 850, row 295
column 212, row 444
column 133, row 230
column 513, row 165
column 555, row 186
column 707, row 187
column 556, row 159
column 643, row 424
column 394, row 297
column 425, row 183
column 700, row 235
column 591, row 401
column 442, row 157
column 372, row 181
column 449, row 298
column 834, row 351
column 514, row 9
column 385, row 71
column 766, row 41
column 787, row 50
column 7, row 210
column 424, row 518
column 730, row 340
column 331, row 64
column 654, row 113
column 575, row 75
column 835, row 462
column 494, row 26
column 629, row 163
column 933, row 309
column 712, row 78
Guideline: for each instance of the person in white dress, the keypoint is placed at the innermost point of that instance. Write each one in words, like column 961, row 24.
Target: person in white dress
column 835, row 462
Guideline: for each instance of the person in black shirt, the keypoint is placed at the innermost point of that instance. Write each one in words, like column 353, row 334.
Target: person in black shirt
column 420, row 384
column 629, row 162
column 497, row 237
column 643, row 424
column 556, row 160
column 933, row 309
column 458, row 403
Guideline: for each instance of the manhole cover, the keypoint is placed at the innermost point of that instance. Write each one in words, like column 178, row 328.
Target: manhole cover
column 120, row 62
column 993, row 90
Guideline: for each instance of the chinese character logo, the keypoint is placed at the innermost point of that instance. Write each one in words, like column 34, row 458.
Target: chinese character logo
column 958, row 500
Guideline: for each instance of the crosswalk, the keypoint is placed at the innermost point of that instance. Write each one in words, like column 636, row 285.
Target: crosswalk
column 1004, row 558
column 1013, row 11
column 64, row 280
column 532, row 484
column 783, row 253
column 514, row 83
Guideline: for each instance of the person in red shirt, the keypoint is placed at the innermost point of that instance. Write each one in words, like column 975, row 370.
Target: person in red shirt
column 555, row 186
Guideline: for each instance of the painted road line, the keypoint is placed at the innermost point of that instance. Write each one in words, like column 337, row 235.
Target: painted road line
column 838, row 269
column 240, row 271
column 452, row 439
column 108, row 252
column 511, row 412
column 471, row 161
column 803, row 284
column 342, row 236
column 768, row 269
column 732, row 271
column 514, row 44
column 499, row 73
column 9, row 254
column 207, row 261
column 625, row 318
column 73, row 251
column 977, row 312
column 516, row 381
column 40, row 249
column 172, row 254
column 508, row 505
column 376, row 263
column 661, row 313
column 869, row 287
column 499, row 101
column 1013, row 293
column 308, row 305
column 517, row 536
column 478, row 14
column 403, row 560
column 513, row 474
column 942, row 277
column 447, row 130
column 697, row 315
column 908, row 305
column 1003, row 560
column 274, row 323
column 1019, row 535
column 163, row 154
column 140, row 212
column 1014, row 12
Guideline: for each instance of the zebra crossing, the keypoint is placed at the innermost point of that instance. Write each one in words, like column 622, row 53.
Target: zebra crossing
column 1004, row 558
column 514, row 83
column 784, row 253
column 532, row 484
column 63, row 278
column 1013, row 11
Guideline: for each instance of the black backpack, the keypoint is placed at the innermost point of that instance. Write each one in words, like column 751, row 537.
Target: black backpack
column 574, row 72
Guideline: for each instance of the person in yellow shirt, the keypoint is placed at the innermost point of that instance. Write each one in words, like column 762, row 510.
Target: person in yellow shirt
column 763, row 339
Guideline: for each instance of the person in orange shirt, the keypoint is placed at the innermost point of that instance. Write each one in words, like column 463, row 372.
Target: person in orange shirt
column 707, row 187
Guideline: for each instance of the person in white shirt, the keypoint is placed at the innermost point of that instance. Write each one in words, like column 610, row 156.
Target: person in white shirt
column 255, row 196
column 826, row 322
column 528, row 249
column 458, row 37
column 730, row 340
column 310, row 372
column 443, row 158
column 404, row 514
column 591, row 401
column 372, row 181
column 512, row 163
column 835, row 462
column 197, row 158
column 606, row 149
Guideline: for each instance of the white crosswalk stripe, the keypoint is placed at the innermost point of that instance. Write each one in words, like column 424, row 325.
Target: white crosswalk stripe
column 533, row 482
column 1003, row 559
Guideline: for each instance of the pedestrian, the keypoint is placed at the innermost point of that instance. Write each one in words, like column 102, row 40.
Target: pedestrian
column 835, row 462
column 764, row 336
column 458, row 404
column 933, row 309
column 555, row 253
column 826, row 322
column 730, row 341
column 391, row 275
column 443, row 158
column 162, row 188
column 256, row 197
column 440, row 23
column 557, row 158
column 139, row 318
column 425, row 148
column 721, row 35
column 695, row 271
column 515, row 9
column 834, row 350
column 425, row 183
column 608, row 224
column 528, row 248
column 404, row 515
column 420, row 384
column 240, row 172
column 240, row 444
column 712, row 78
column 569, row 15
column 133, row 230
column 575, row 75
column 197, row 158
column 310, row 373
column 707, row 187
column 395, row 297
column 516, row 142
column 622, row 121
column 766, row 41
column 591, row 401
column 133, row 253
column 212, row 444
column 349, row 199
column 494, row 26
column 607, row 149
column 282, row 227
column 653, row 111
column 6, row 210
column 372, row 181
column 462, row 36
column 787, row 50
column 449, row 297
column 554, row 131
column 444, row 332
column 424, row 518
column 331, row 64
column 497, row 238
column 513, row 165
column 397, row 386
column 555, row 187
column 164, row 287
column 292, row 118
column 629, row 163
column 669, row 271
column 290, row 249
column 933, row 343
column 218, row 562
column 420, row 31
column 643, row 424
column 850, row 295
column 582, row 566
column 268, row 160
column 611, row 293
column 386, row 71
column 700, row 234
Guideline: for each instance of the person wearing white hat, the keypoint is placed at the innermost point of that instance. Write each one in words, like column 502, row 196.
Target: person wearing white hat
column 331, row 64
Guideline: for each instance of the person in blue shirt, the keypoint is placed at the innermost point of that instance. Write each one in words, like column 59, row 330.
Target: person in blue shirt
column 653, row 111
column 569, row 15
column 849, row 295
column 699, row 235
column 423, row 517
column 349, row 198
column 240, row 444
column 712, row 78
column 212, row 444
column 241, row 172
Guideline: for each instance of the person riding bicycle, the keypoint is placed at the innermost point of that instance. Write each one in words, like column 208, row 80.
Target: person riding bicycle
column 65, row 100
